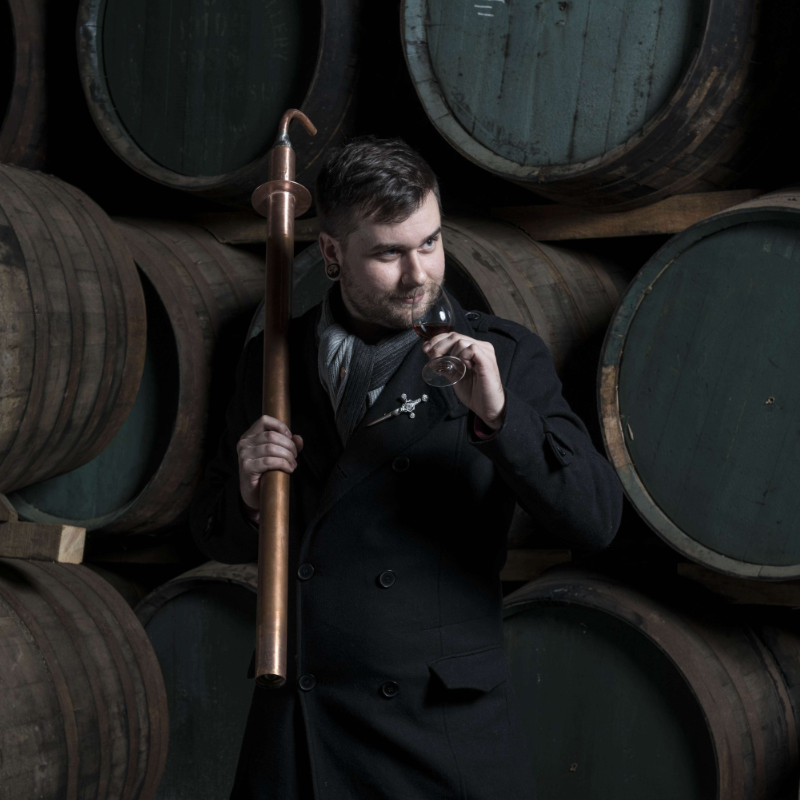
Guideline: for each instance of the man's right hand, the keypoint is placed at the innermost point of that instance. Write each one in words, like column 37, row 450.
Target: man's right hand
column 265, row 446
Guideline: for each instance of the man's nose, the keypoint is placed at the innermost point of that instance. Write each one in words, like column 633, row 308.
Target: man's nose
column 413, row 272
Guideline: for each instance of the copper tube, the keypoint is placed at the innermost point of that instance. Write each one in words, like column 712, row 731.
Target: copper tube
column 280, row 200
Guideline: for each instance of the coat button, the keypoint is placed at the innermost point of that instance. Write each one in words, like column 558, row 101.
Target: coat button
column 386, row 578
column 209, row 524
column 472, row 315
column 305, row 571
column 400, row 464
column 307, row 682
column 389, row 689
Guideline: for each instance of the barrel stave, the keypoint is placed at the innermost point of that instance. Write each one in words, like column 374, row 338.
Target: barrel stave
column 87, row 717
column 76, row 336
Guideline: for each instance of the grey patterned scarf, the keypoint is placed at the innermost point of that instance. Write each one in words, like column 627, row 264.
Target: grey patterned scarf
column 353, row 372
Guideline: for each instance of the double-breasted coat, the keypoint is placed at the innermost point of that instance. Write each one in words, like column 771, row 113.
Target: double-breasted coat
column 398, row 685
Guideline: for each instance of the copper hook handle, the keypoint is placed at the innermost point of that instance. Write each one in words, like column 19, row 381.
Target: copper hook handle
column 283, row 128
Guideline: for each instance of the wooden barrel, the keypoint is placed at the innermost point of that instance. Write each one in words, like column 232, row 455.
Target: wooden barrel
column 623, row 696
column 700, row 394
column 200, row 297
column 22, row 82
column 599, row 103
column 202, row 627
column 84, row 712
column 192, row 99
column 72, row 328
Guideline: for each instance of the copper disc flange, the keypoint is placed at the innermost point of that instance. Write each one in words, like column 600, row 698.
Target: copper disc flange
column 302, row 197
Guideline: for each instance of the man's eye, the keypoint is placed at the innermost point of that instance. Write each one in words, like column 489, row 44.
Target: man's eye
column 430, row 242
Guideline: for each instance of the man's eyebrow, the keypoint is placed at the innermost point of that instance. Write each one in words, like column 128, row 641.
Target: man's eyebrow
column 381, row 246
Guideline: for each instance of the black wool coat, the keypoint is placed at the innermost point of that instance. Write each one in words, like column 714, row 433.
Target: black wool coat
column 398, row 685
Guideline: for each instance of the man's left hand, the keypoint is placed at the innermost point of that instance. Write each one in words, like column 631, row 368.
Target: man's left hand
column 481, row 389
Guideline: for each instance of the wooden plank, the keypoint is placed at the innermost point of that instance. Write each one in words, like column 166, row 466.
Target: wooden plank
column 42, row 542
column 232, row 227
column 741, row 590
column 673, row 215
column 525, row 565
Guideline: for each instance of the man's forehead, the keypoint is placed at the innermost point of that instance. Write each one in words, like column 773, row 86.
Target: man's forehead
column 425, row 221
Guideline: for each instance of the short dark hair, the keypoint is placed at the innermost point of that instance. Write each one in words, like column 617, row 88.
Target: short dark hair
column 383, row 179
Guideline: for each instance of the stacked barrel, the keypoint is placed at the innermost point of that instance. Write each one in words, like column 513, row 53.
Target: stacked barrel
column 572, row 140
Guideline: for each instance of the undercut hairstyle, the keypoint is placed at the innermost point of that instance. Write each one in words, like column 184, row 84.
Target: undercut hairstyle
column 381, row 179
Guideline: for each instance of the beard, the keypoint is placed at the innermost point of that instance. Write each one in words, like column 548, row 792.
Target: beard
column 386, row 310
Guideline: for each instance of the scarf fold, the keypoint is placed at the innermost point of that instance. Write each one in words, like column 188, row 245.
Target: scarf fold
column 353, row 372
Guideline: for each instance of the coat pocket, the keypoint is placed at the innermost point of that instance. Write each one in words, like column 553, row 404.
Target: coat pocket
column 481, row 671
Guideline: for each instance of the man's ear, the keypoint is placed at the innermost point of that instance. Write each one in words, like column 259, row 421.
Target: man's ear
column 330, row 248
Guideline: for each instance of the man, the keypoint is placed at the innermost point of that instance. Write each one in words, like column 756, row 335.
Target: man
column 397, row 683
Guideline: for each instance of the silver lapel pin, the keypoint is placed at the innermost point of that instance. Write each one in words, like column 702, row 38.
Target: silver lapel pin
column 407, row 408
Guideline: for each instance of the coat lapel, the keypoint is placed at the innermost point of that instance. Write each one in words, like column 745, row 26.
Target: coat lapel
column 312, row 413
column 370, row 447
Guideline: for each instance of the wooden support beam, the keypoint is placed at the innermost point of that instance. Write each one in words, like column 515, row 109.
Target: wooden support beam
column 244, row 227
column 743, row 590
column 42, row 542
column 673, row 215
column 525, row 565
column 37, row 541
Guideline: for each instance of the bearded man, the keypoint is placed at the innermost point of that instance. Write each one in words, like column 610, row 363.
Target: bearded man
column 398, row 685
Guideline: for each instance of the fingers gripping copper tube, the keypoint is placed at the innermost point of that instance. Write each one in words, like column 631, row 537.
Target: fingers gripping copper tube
column 280, row 200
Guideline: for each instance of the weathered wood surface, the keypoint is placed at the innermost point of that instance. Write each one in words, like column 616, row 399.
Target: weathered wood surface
column 624, row 696
column 699, row 392
column 190, row 94
column 601, row 104
column 72, row 328
column 232, row 227
column 85, row 710
column 200, row 296
column 743, row 590
column 673, row 215
column 42, row 542
column 23, row 87
column 201, row 625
